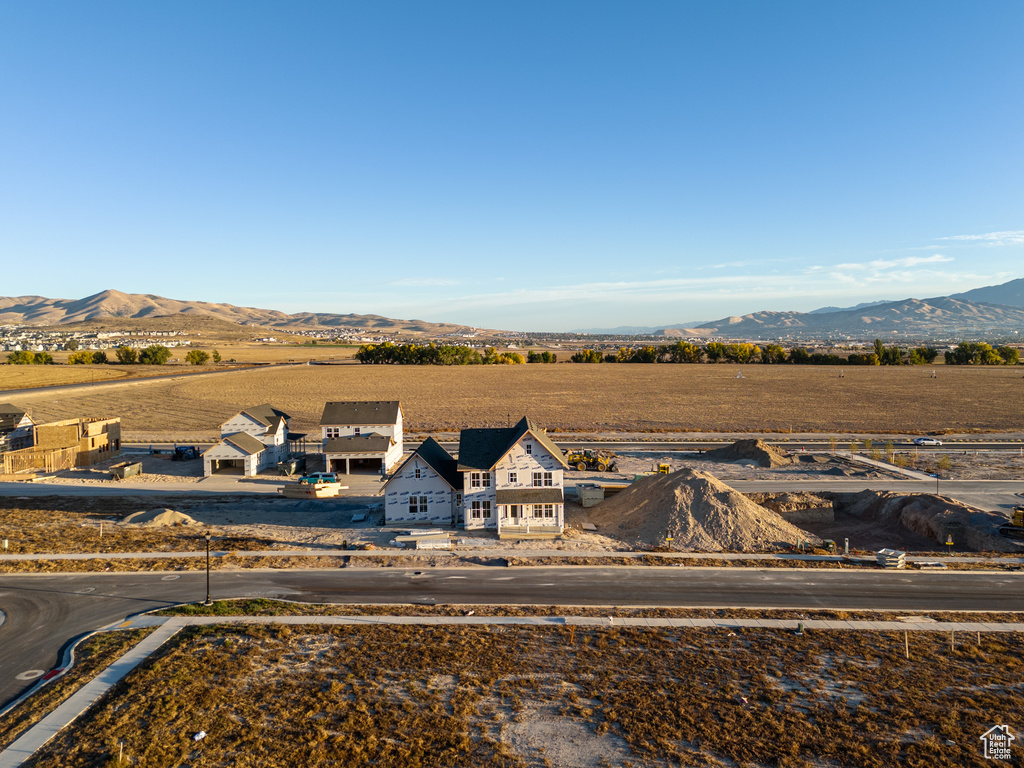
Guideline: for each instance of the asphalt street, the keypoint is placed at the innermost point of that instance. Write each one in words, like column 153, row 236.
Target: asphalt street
column 44, row 611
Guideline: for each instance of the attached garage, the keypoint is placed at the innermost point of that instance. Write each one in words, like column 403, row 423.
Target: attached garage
column 358, row 454
column 238, row 454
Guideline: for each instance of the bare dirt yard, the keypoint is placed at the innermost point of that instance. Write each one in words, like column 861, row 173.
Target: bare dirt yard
column 407, row 696
column 578, row 398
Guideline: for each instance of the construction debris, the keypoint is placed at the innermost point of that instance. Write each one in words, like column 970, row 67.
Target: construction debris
column 891, row 558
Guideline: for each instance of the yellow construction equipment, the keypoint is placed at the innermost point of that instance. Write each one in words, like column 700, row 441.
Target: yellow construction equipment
column 1015, row 528
column 602, row 461
column 663, row 469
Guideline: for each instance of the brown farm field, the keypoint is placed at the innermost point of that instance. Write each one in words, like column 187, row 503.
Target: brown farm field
column 26, row 376
column 579, row 398
column 507, row 696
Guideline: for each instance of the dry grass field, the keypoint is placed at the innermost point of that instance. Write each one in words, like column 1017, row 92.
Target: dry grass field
column 408, row 697
column 25, row 376
column 580, row 398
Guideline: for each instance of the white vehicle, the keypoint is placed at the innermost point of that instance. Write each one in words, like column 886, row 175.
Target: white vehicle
column 926, row 441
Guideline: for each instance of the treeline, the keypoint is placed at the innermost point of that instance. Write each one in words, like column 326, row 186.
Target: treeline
column 717, row 352
column 444, row 354
column 980, row 353
column 155, row 354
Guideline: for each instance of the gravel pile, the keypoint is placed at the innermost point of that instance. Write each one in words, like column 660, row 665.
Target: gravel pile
column 158, row 518
column 702, row 513
column 751, row 450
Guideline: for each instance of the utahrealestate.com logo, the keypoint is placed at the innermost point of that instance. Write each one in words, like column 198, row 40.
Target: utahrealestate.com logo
column 997, row 740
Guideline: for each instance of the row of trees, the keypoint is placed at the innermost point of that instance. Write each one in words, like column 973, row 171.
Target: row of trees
column 155, row 354
column 980, row 353
column 443, row 354
column 717, row 352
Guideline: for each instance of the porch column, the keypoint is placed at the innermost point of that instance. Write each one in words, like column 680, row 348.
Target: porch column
column 347, row 465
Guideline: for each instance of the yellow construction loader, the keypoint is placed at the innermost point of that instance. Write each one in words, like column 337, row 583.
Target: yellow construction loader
column 1015, row 528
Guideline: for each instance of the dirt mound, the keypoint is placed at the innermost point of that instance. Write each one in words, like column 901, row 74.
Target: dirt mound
column 157, row 518
column 703, row 514
column 934, row 517
column 751, row 450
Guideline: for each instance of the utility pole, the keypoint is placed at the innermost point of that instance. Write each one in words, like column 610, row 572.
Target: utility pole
column 208, row 600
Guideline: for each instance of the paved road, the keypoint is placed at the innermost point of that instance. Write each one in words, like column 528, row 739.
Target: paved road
column 44, row 611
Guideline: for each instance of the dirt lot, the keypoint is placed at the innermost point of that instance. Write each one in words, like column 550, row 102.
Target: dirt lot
column 967, row 464
column 566, row 397
column 540, row 696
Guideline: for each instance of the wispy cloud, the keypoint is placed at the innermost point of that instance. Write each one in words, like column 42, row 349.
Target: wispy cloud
column 992, row 239
column 882, row 265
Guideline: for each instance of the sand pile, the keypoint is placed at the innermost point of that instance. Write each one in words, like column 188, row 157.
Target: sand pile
column 157, row 518
column 751, row 450
column 703, row 514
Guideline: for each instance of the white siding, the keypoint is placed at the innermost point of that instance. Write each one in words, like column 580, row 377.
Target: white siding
column 438, row 493
column 469, row 495
column 226, row 452
column 242, row 423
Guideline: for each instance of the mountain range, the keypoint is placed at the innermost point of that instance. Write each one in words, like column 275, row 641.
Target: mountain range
column 111, row 304
column 995, row 310
column 991, row 311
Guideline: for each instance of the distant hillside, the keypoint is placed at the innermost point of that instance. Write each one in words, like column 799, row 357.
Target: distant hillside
column 917, row 318
column 109, row 305
column 1010, row 294
column 865, row 305
column 640, row 330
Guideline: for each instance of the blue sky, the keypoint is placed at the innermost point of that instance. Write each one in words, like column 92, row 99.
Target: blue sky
column 538, row 166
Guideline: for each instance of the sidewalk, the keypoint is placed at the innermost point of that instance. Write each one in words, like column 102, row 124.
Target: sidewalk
column 886, row 466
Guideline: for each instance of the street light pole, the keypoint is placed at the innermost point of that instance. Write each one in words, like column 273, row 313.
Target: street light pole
column 208, row 600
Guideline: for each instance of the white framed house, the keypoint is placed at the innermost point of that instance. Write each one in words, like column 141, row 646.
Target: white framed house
column 362, row 436
column 250, row 441
column 426, row 488
column 512, row 480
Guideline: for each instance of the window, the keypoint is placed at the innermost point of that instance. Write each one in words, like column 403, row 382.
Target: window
column 545, row 510
column 330, row 432
column 417, row 504
column 513, row 478
column 479, row 479
column 357, row 430
column 543, row 478
column 417, row 473
column 458, row 500
column 480, row 510
column 529, row 449
column 549, row 479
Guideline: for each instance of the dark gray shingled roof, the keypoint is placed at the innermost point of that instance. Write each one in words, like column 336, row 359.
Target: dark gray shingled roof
column 245, row 442
column 268, row 415
column 371, row 443
column 10, row 415
column 436, row 457
column 528, row 496
column 361, row 413
column 480, row 449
